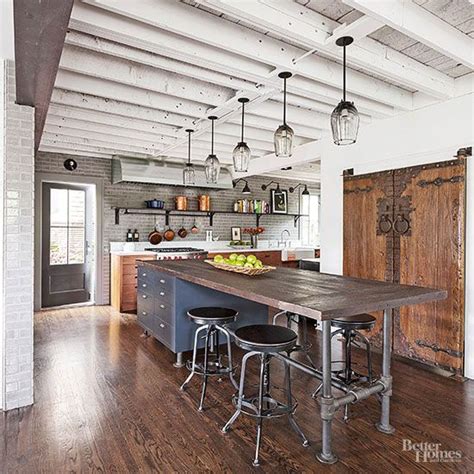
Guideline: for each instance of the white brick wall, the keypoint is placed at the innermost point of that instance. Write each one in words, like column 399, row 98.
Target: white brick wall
column 133, row 195
column 17, row 191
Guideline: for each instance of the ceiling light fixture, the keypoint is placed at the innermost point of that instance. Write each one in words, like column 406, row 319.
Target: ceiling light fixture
column 305, row 190
column 344, row 118
column 283, row 138
column 212, row 163
column 241, row 154
column 189, row 176
column 245, row 189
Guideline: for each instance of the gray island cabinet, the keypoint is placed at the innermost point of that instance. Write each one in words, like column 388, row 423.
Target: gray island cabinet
column 163, row 301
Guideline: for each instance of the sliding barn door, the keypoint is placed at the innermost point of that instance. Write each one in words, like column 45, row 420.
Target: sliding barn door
column 429, row 236
column 368, row 213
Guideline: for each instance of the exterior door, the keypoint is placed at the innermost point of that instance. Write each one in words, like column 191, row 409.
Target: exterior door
column 368, row 251
column 65, row 260
column 432, row 254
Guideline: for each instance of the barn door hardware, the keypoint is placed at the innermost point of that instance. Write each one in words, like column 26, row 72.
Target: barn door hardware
column 384, row 222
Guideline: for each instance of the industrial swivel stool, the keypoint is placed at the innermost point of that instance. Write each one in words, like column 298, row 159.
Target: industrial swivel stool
column 349, row 328
column 212, row 321
column 265, row 341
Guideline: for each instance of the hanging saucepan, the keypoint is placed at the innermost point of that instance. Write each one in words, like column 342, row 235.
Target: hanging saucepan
column 182, row 232
column 168, row 234
column 194, row 228
column 154, row 237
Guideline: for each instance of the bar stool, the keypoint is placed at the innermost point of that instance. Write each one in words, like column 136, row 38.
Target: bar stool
column 211, row 320
column 265, row 341
column 349, row 327
column 303, row 344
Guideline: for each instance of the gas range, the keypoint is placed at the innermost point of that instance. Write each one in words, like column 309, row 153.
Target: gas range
column 178, row 253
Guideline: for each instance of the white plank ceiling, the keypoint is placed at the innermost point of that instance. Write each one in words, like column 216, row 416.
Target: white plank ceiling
column 134, row 75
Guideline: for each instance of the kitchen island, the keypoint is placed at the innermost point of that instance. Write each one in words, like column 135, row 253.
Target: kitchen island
column 317, row 296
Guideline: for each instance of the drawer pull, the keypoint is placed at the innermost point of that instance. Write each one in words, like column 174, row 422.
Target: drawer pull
column 162, row 325
column 144, row 274
column 162, row 281
column 162, row 306
column 144, row 285
column 162, row 293
column 144, row 296
column 144, row 313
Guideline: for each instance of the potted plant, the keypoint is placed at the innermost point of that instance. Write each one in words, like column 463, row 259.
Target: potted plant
column 254, row 232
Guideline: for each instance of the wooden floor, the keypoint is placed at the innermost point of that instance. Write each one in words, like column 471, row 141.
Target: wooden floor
column 107, row 400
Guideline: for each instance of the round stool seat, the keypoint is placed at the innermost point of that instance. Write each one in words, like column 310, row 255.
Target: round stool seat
column 360, row 321
column 265, row 338
column 212, row 314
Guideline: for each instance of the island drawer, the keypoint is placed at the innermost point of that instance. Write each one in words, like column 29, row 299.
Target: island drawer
column 145, row 313
column 165, row 310
column 164, row 332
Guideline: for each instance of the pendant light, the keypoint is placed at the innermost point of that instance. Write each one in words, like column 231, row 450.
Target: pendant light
column 283, row 137
column 212, row 163
column 344, row 118
column 241, row 154
column 189, row 176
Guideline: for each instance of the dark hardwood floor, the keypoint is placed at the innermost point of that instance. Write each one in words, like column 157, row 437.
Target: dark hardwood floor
column 108, row 400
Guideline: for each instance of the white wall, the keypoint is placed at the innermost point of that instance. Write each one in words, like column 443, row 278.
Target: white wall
column 431, row 134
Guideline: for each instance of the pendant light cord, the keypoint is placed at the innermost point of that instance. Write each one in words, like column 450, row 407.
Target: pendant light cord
column 212, row 137
column 344, row 73
column 242, row 134
column 189, row 147
column 284, row 101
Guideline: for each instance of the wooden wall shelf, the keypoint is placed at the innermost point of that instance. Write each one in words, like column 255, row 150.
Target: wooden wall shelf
column 167, row 213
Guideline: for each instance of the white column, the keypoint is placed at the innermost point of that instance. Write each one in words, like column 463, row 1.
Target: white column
column 16, row 223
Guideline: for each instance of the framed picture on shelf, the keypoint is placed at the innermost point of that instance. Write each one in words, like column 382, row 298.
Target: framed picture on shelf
column 236, row 233
column 279, row 201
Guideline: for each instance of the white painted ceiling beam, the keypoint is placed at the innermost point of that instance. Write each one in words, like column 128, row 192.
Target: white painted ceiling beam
column 366, row 53
column 111, row 48
column 189, row 22
column 421, row 25
column 118, row 107
column 283, row 18
column 101, row 23
column 103, row 66
column 125, row 93
column 358, row 29
column 69, row 151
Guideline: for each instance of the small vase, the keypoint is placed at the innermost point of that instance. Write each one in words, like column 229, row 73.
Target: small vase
column 254, row 240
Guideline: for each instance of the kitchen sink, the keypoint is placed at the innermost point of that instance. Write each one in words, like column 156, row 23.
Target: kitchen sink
column 296, row 253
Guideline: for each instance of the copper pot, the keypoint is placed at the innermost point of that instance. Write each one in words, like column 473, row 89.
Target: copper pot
column 204, row 202
column 181, row 203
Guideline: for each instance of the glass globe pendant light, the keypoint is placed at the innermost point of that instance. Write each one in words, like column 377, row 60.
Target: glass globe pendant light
column 189, row 176
column 241, row 153
column 344, row 118
column 283, row 138
column 212, row 163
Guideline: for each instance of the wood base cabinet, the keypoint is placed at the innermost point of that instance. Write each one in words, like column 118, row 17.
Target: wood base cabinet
column 123, row 276
column 407, row 226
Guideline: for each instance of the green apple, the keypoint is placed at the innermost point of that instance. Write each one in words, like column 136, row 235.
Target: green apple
column 218, row 259
column 242, row 258
column 251, row 259
column 258, row 264
column 238, row 263
column 248, row 265
column 228, row 261
column 233, row 257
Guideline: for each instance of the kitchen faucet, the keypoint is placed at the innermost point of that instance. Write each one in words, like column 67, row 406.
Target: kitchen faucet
column 282, row 241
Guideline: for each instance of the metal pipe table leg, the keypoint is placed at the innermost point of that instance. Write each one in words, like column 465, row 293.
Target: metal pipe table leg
column 328, row 408
column 384, row 425
column 179, row 360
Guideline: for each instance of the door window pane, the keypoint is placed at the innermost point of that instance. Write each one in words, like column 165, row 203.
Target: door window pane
column 59, row 207
column 67, row 226
column 76, row 245
column 58, row 246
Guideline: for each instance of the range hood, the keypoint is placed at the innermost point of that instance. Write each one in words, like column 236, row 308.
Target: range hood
column 139, row 170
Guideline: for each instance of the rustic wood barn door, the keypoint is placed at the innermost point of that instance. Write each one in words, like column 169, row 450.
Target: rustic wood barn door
column 430, row 215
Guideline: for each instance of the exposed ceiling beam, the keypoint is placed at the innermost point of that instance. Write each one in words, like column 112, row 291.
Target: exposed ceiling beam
column 285, row 19
column 189, row 22
column 40, row 28
column 69, row 151
column 358, row 29
column 418, row 23
column 103, row 66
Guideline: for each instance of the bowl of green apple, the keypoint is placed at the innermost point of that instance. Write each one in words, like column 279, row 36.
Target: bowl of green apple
column 246, row 264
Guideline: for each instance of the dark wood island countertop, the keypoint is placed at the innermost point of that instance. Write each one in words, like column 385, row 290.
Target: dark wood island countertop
column 319, row 296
